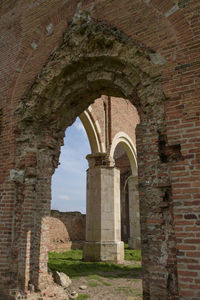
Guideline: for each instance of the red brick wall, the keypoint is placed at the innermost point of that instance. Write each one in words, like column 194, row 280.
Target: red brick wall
column 66, row 230
column 123, row 116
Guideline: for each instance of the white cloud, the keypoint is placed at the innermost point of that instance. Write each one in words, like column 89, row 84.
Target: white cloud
column 69, row 179
column 79, row 126
column 63, row 197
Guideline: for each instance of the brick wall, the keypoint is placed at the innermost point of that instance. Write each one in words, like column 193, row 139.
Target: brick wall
column 122, row 114
column 66, row 230
column 168, row 158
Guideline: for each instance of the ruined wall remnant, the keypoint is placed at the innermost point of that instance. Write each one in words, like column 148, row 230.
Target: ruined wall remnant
column 66, row 230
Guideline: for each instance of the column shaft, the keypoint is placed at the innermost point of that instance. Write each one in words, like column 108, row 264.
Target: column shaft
column 103, row 223
column 134, row 213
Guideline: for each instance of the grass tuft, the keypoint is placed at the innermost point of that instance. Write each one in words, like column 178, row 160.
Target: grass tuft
column 93, row 284
column 132, row 255
column 83, row 296
column 70, row 263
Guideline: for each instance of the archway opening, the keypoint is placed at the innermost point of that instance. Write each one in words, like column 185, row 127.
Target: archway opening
column 129, row 195
column 108, row 106
column 68, row 205
column 105, row 122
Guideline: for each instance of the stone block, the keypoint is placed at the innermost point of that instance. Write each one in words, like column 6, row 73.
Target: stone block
column 104, row 251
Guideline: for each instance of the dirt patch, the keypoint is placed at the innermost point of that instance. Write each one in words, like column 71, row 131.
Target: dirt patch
column 110, row 286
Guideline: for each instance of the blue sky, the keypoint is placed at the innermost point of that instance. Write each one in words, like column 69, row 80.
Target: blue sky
column 69, row 179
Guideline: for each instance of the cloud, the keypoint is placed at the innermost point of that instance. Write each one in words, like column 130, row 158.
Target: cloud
column 79, row 126
column 63, row 197
column 69, row 179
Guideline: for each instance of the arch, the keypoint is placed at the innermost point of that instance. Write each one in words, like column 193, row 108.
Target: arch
column 93, row 59
column 124, row 139
column 92, row 132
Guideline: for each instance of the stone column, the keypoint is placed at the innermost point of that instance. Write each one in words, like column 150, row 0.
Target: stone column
column 103, row 224
column 134, row 213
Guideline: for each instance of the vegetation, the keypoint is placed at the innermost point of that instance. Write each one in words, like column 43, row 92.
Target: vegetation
column 133, row 255
column 70, row 262
column 93, row 284
column 99, row 274
column 96, row 279
column 83, row 296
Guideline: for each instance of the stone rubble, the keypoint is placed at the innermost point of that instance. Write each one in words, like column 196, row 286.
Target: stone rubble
column 83, row 287
column 62, row 279
column 58, row 290
column 73, row 295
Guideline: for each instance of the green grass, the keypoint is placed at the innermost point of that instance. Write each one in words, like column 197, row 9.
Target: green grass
column 93, row 284
column 83, row 296
column 133, row 255
column 106, row 283
column 70, row 262
column 99, row 279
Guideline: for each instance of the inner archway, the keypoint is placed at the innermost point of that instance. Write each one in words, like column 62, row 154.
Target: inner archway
column 130, row 209
column 122, row 139
column 95, row 59
column 104, row 126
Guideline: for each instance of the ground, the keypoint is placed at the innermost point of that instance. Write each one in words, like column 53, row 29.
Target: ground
column 101, row 281
column 101, row 287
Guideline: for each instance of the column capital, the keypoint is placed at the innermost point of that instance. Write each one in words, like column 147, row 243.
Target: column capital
column 100, row 159
column 133, row 179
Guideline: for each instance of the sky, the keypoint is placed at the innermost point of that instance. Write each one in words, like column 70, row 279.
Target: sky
column 69, row 179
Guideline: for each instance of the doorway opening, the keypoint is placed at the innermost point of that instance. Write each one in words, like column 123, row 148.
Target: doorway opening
column 109, row 170
column 108, row 132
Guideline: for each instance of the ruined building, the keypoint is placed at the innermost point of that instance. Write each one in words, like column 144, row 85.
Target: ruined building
column 56, row 58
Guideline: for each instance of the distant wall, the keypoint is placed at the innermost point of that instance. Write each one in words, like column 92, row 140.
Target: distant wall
column 66, row 230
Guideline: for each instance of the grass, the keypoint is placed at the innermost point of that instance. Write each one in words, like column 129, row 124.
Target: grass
column 125, row 289
column 93, row 284
column 70, row 262
column 99, row 279
column 83, row 297
column 128, row 291
column 132, row 255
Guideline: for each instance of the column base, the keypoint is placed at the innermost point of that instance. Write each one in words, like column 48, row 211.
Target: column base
column 134, row 243
column 104, row 251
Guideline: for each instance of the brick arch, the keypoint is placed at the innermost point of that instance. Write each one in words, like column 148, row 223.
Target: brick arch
column 94, row 59
column 123, row 139
column 125, row 67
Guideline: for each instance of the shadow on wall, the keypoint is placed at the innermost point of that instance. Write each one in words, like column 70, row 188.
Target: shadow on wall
column 66, row 230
